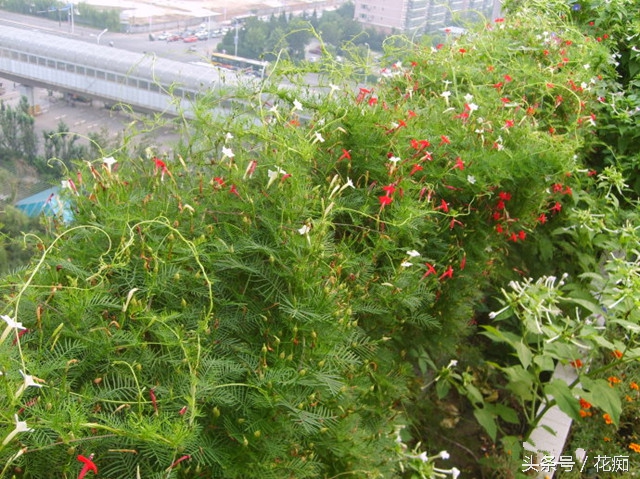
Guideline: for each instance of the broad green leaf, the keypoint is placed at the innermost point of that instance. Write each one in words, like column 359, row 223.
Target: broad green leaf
column 512, row 445
column 560, row 350
column 442, row 389
column 524, row 354
column 586, row 304
column 520, row 382
column 600, row 341
column 631, row 327
column 473, row 394
column 506, row 413
column 500, row 336
column 544, row 363
column 487, row 421
column 564, row 397
column 600, row 394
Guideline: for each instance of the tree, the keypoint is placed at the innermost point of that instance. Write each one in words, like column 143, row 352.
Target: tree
column 61, row 144
column 13, row 224
column 298, row 37
column 17, row 134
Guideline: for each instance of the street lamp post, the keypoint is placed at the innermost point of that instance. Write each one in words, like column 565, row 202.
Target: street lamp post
column 71, row 26
column 100, row 35
column 235, row 39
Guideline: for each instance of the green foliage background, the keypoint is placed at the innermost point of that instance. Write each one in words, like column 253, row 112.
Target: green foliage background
column 272, row 301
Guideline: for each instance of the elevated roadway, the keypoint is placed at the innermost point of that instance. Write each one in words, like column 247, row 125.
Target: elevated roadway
column 143, row 81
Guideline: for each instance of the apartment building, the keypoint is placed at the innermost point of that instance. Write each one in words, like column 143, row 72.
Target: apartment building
column 417, row 16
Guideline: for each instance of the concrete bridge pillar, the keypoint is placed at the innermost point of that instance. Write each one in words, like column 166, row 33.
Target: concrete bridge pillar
column 29, row 92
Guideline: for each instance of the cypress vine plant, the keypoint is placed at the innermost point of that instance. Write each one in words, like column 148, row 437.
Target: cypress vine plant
column 264, row 303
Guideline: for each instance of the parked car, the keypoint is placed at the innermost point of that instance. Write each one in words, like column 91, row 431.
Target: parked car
column 173, row 37
column 190, row 39
column 163, row 36
column 202, row 35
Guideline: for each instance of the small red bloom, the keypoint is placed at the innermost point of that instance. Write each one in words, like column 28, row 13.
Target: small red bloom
column 542, row 219
column 617, row 353
column 454, row 222
column 444, row 206
column 463, row 51
column 522, row 235
column 159, row 164
column 504, row 195
column 389, row 189
column 345, row 155
column 444, row 140
column 509, row 123
column 463, row 262
column 576, row 363
column 508, row 78
column 89, row 465
column 162, row 166
column 557, row 207
column 430, row 270
column 459, row 164
column 219, row 180
column 447, row 274
column 384, row 201
column 415, row 169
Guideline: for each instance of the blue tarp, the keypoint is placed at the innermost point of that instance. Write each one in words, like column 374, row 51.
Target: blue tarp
column 46, row 202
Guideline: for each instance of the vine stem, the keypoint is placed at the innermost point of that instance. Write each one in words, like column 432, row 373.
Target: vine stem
column 37, row 267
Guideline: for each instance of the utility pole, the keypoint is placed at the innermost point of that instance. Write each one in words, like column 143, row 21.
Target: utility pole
column 235, row 40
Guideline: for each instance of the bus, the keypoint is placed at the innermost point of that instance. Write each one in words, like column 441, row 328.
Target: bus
column 239, row 64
